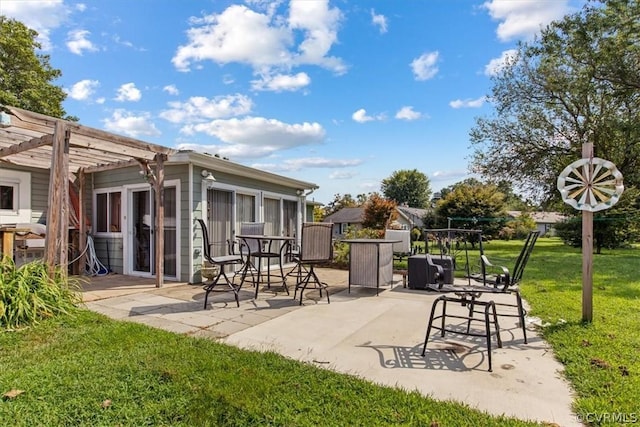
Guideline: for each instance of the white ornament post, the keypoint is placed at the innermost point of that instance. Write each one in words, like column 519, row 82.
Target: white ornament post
column 590, row 184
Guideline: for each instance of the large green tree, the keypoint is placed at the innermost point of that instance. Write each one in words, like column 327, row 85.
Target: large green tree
column 409, row 187
column 473, row 206
column 578, row 82
column 26, row 76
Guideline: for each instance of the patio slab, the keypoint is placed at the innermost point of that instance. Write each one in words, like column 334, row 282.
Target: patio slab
column 378, row 338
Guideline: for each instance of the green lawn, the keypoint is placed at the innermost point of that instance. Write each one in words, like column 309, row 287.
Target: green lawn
column 92, row 371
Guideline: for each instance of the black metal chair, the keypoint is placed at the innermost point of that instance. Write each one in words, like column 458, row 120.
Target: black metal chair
column 499, row 279
column 248, row 248
column 220, row 263
column 316, row 247
column 490, row 280
column 493, row 279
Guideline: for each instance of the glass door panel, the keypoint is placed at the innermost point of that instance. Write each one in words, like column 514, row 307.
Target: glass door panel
column 142, row 229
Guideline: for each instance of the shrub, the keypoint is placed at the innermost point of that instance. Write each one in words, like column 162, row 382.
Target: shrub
column 341, row 249
column 28, row 294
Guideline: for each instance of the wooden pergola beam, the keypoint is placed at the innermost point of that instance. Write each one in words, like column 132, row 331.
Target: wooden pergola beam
column 27, row 145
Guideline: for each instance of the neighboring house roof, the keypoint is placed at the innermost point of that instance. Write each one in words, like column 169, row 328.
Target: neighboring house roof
column 542, row 217
column 356, row 215
column 346, row 215
column 413, row 215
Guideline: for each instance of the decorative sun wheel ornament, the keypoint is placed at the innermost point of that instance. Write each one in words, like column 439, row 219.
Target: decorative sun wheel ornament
column 590, row 184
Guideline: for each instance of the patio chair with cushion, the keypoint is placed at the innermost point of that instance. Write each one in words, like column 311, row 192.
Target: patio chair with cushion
column 218, row 265
column 316, row 247
column 402, row 244
column 246, row 248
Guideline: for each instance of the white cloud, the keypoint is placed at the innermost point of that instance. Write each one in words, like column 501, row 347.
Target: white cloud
column 524, row 18
column 448, row 175
column 468, row 103
column 136, row 126
column 281, row 82
column 77, row 42
column 424, row 67
column 407, row 113
column 171, row 90
column 361, row 116
column 82, row 90
column 342, row 175
column 200, row 108
column 128, row 92
column 254, row 137
column 379, row 20
column 293, row 165
column 265, row 41
column 496, row 65
column 42, row 16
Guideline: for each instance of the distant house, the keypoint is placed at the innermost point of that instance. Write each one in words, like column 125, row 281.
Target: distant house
column 407, row 219
column 545, row 221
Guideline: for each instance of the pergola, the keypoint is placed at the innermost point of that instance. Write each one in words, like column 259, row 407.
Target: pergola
column 68, row 149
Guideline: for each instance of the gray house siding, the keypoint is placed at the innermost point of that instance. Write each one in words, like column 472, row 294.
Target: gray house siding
column 110, row 245
column 39, row 192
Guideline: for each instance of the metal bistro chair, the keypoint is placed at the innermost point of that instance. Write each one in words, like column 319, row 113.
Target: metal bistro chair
column 247, row 249
column 316, row 247
column 219, row 262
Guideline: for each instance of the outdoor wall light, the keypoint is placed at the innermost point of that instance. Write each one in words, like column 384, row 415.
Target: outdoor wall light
column 208, row 176
column 209, row 179
column 299, row 192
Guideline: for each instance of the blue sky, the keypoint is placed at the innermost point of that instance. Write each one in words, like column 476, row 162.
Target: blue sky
column 338, row 93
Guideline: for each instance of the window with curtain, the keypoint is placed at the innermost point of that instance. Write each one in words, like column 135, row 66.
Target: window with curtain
column 220, row 209
column 272, row 216
column 290, row 215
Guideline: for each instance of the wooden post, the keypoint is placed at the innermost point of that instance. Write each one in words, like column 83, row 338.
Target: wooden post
column 587, row 249
column 159, row 225
column 57, row 238
column 82, row 213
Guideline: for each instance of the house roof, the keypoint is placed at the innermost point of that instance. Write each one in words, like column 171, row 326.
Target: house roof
column 346, row 215
column 218, row 164
column 413, row 215
column 542, row 217
column 356, row 215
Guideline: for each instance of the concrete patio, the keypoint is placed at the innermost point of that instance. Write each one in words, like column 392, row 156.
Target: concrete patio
column 378, row 338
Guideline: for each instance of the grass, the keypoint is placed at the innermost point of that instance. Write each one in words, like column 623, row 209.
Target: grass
column 602, row 358
column 89, row 370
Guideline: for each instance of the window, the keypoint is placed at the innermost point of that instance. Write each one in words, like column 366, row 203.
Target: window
column 7, row 197
column 108, row 212
column 272, row 216
column 15, row 196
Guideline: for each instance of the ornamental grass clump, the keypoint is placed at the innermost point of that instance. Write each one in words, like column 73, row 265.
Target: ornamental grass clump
column 29, row 294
